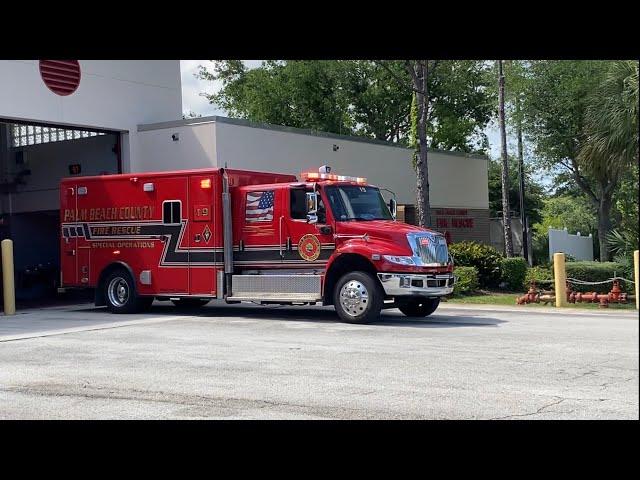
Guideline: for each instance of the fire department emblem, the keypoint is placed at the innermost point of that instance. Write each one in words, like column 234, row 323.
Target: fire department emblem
column 309, row 247
column 206, row 234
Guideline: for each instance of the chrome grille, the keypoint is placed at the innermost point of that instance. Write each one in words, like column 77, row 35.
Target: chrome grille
column 432, row 249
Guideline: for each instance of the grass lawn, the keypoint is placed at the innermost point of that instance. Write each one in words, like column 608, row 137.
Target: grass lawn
column 502, row 298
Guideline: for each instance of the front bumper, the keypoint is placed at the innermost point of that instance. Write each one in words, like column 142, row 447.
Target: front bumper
column 420, row 285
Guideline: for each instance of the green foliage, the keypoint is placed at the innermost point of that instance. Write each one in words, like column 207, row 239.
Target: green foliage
column 575, row 213
column 542, row 275
column 596, row 272
column 467, row 280
column 612, row 121
column 304, row 94
column 485, row 258
column 514, row 272
column 555, row 101
column 622, row 245
column 625, row 211
column 533, row 197
column 357, row 97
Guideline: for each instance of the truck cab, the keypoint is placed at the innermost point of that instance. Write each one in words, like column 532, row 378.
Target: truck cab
column 339, row 231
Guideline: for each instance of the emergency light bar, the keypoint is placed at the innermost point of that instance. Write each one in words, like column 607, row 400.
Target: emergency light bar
column 314, row 177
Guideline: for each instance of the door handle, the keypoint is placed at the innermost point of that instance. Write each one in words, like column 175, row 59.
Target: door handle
column 280, row 236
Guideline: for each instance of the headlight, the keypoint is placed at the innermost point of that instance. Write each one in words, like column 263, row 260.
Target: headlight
column 399, row 260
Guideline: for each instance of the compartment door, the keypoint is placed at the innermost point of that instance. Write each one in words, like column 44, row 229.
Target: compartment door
column 69, row 238
column 202, row 254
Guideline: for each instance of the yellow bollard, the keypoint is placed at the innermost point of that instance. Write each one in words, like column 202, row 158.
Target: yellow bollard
column 560, row 277
column 7, row 278
column 636, row 268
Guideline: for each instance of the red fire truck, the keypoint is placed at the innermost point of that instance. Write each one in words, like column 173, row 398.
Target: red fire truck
column 194, row 235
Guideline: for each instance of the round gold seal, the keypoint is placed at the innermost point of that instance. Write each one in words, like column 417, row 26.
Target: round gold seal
column 309, row 247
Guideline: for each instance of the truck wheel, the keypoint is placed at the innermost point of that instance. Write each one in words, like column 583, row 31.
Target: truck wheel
column 420, row 308
column 120, row 293
column 358, row 298
column 189, row 303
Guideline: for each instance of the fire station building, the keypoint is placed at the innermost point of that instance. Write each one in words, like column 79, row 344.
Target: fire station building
column 60, row 118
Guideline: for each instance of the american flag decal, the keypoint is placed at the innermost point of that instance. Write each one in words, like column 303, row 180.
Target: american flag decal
column 259, row 206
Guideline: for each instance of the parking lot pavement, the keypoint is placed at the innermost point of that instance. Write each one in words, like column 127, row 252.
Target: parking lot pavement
column 226, row 362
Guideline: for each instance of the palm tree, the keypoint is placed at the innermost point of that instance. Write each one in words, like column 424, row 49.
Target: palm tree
column 611, row 143
column 506, row 215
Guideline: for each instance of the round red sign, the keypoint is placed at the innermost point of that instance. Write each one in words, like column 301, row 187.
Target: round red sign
column 309, row 247
column 62, row 77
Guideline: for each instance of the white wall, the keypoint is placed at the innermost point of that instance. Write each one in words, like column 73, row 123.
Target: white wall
column 455, row 181
column 113, row 94
column 49, row 162
column 578, row 246
column 196, row 148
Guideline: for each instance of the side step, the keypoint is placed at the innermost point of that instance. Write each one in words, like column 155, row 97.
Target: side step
column 276, row 288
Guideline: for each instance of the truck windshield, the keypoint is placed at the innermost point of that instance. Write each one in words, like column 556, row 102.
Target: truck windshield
column 353, row 202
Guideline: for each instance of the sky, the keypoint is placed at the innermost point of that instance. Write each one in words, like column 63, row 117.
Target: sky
column 192, row 101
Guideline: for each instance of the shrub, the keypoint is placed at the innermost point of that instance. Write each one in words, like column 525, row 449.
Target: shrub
column 514, row 271
column 596, row 272
column 542, row 275
column 466, row 281
column 486, row 259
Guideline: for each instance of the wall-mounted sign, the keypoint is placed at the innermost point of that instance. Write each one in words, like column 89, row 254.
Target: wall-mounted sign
column 453, row 218
column 75, row 169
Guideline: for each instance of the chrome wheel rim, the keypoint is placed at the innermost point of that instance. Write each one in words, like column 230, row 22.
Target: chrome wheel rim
column 354, row 298
column 118, row 291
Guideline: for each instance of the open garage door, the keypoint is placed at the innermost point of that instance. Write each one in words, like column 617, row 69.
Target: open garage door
column 33, row 159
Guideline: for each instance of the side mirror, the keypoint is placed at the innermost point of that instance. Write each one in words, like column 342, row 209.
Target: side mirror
column 393, row 207
column 312, row 203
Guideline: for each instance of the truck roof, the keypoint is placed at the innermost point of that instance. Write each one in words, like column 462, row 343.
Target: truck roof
column 282, row 177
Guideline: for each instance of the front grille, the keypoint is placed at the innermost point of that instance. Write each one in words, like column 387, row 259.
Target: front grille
column 432, row 249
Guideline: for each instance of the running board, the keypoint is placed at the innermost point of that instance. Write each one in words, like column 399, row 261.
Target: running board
column 274, row 298
column 276, row 288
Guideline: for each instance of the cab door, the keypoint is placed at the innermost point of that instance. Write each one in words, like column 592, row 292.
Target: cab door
column 309, row 245
column 259, row 237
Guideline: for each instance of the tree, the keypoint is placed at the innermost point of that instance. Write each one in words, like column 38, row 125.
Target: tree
column 534, row 192
column 611, row 144
column 419, row 72
column 304, row 94
column 449, row 105
column 554, row 112
column 506, row 216
column 367, row 98
column 565, row 211
column 516, row 75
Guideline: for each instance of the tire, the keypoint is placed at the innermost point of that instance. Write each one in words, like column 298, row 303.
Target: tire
column 358, row 298
column 190, row 303
column 120, row 293
column 420, row 308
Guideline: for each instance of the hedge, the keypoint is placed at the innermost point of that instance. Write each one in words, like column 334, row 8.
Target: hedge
column 514, row 271
column 486, row 259
column 466, row 281
column 596, row 272
column 542, row 275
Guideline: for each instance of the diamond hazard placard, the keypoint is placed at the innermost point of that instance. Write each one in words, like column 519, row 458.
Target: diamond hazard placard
column 206, row 234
